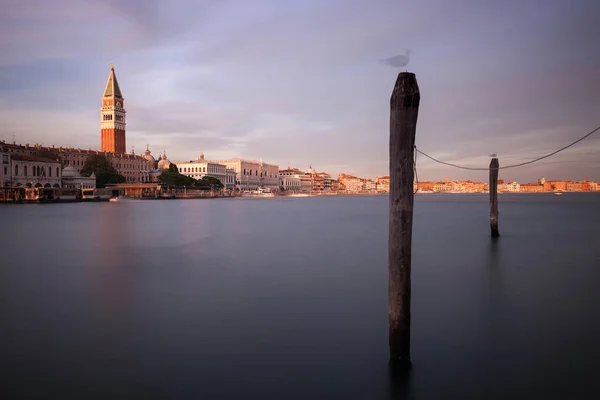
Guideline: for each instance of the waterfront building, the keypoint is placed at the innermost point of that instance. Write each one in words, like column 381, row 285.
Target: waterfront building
column 134, row 168
column 371, row 186
column 290, row 183
column 289, row 179
column 26, row 170
column 577, row 187
column 531, row 187
column 112, row 117
column 326, row 180
column 200, row 167
column 352, row 183
column 72, row 179
column 291, row 171
column 514, row 187
column 251, row 174
column 4, row 169
column 337, row 186
column 558, row 185
column 445, row 186
column 383, row 184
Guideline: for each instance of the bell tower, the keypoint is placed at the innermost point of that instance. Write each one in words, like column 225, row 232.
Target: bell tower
column 112, row 116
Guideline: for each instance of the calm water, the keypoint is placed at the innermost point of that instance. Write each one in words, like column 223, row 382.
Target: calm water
column 287, row 298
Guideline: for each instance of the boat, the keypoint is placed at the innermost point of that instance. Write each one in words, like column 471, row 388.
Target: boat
column 102, row 194
column 558, row 193
column 298, row 195
column 115, row 199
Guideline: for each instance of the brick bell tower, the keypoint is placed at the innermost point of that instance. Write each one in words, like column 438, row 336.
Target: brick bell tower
column 112, row 116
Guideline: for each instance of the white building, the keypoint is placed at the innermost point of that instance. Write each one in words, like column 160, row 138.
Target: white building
column 290, row 183
column 250, row 175
column 295, row 179
column 200, row 167
column 71, row 178
column 513, row 187
column 24, row 170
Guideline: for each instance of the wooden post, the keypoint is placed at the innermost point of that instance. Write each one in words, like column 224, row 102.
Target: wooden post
column 494, row 166
column 404, row 109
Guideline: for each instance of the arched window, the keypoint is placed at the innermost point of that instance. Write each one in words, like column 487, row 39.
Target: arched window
column 16, row 170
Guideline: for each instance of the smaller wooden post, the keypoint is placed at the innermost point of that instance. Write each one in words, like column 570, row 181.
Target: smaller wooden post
column 494, row 166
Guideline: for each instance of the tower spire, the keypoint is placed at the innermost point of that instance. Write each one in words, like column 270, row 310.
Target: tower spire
column 112, row 88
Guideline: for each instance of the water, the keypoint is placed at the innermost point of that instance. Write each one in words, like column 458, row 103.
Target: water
column 287, row 298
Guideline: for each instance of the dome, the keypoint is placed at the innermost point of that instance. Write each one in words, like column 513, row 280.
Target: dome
column 201, row 157
column 70, row 172
column 149, row 157
column 164, row 163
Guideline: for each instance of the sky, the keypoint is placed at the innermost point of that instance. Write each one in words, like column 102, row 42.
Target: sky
column 303, row 82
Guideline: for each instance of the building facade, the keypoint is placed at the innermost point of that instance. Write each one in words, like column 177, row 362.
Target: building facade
column 112, row 117
column 289, row 183
column 251, row 175
column 24, row 170
column 200, row 167
column 383, row 184
column 133, row 167
column 72, row 179
column 326, row 181
column 352, row 183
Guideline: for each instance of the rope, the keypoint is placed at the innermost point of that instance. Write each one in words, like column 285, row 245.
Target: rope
column 509, row 166
column 450, row 164
column 415, row 171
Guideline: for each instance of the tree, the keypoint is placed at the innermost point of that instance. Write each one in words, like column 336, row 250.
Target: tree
column 209, row 182
column 100, row 166
column 173, row 168
column 176, row 179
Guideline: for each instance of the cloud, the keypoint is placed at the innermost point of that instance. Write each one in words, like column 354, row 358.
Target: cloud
column 308, row 82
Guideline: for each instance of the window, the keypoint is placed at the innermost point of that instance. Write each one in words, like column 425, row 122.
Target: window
column 25, row 170
column 49, row 171
column 16, row 170
column 5, row 170
column 57, row 174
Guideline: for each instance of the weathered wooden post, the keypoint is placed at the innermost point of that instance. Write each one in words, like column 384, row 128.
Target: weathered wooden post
column 494, row 166
column 404, row 109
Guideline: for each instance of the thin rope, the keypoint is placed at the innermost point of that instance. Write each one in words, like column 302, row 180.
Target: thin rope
column 554, row 152
column 415, row 171
column 514, row 165
column 450, row 164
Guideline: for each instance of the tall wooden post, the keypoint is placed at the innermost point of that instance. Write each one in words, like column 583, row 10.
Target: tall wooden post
column 494, row 166
column 404, row 109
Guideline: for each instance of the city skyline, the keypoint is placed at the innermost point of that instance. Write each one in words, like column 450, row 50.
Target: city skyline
column 304, row 84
